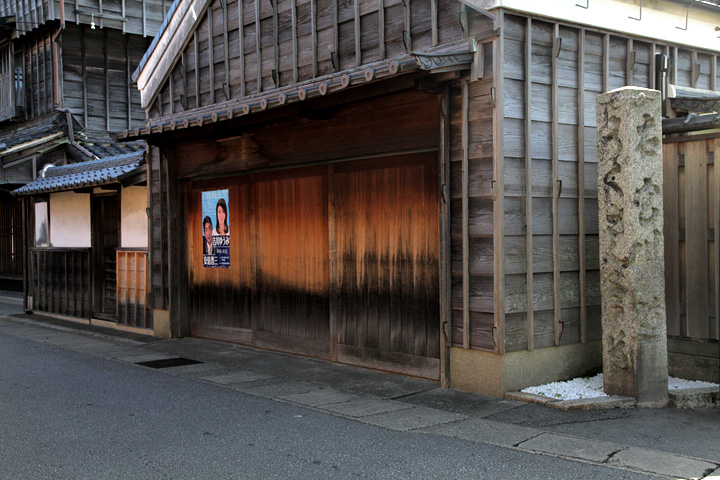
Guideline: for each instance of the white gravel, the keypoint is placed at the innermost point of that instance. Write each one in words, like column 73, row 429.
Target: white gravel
column 592, row 387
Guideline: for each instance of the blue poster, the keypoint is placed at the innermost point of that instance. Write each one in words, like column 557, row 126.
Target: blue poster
column 216, row 229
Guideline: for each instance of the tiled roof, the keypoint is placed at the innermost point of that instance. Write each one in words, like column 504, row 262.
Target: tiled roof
column 17, row 134
column 105, row 149
column 85, row 174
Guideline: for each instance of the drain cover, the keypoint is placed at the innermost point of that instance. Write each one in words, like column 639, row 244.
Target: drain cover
column 168, row 362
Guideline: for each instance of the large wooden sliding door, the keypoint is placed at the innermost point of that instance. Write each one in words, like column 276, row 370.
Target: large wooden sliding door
column 291, row 241
column 387, row 239
column 350, row 248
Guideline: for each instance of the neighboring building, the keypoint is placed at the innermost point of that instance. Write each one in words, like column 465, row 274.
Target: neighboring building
column 386, row 168
column 65, row 85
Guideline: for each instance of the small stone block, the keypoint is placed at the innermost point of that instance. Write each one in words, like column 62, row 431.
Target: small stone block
column 530, row 397
column 317, row 398
column 276, row 390
column 574, row 447
column 235, row 377
column 662, row 463
column 597, row 403
column 486, row 431
column 694, row 397
column 412, row 418
column 364, row 407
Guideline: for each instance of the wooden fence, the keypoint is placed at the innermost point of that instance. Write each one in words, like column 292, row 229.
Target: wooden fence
column 691, row 187
column 132, row 282
column 61, row 281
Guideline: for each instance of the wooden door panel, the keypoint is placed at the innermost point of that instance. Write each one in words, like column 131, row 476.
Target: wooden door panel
column 221, row 297
column 291, row 231
column 386, row 223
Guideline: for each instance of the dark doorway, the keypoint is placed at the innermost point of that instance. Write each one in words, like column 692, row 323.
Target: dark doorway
column 105, row 241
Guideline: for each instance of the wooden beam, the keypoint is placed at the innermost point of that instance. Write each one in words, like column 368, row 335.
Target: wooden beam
column 128, row 78
column 336, row 37
column 107, row 81
column 581, row 184
column 629, row 62
column 313, row 28
column 381, row 27
column 694, row 69
column 358, row 48
column 408, row 26
column 276, row 44
column 434, row 21
column 196, row 46
column 445, row 281
column 499, row 191
column 529, row 273
column 465, row 215
column 606, row 62
column 258, row 46
column 84, row 76
column 293, row 14
column 226, row 43
column 556, row 189
column 211, row 55
column 241, row 46
column 713, row 72
column 716, row 225
column 144, row 17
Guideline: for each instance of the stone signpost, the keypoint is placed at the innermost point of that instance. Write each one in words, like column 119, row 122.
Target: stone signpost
column 632, row 272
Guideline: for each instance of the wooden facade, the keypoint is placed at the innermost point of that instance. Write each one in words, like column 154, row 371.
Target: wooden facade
column 66, row 74
column 252, row 88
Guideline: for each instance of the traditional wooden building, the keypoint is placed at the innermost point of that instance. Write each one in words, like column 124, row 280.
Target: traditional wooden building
column 409, row 186
column 65, row 72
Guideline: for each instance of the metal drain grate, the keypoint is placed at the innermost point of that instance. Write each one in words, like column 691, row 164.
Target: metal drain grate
column 169, row 362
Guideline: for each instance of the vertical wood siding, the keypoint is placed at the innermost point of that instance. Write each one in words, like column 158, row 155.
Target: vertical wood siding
column 691, row 182
column 267, row 44
column 472, row 230
column 95, row 70
column 138, row 17
column 61, row 281
column 11, row 236
column 132, row 287
column 552, row 77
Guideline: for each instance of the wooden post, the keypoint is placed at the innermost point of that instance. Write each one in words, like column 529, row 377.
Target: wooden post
column 581, row 186
column 445, row 280
column 529, row 275
column 499, row 193
column 465, row 217
column 556, row 188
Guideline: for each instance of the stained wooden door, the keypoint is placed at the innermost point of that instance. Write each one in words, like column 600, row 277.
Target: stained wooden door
column 387, row 274
column 290, row 305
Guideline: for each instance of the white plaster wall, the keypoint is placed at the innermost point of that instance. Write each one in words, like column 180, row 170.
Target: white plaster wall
column 661, row 19
column 70, row 219
column 134, row 222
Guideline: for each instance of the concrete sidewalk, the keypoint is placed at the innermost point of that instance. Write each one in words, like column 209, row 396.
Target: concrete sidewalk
column 672, row 443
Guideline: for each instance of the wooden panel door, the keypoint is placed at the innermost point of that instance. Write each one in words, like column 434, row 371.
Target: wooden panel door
column 387, row 264
column 105, row 241
column 290, row 306
column 220, row 297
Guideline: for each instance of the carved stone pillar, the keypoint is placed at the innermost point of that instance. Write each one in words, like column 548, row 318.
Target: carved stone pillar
column 632, row 270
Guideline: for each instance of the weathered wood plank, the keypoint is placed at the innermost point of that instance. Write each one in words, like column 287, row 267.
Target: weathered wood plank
column 671, row 230
column 696, row 236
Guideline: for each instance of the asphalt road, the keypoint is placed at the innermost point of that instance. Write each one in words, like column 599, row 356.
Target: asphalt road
column 69, row 415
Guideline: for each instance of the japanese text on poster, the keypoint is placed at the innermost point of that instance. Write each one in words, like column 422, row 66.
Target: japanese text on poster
column 216, row 229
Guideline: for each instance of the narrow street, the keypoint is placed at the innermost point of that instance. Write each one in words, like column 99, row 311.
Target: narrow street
column 76, row 415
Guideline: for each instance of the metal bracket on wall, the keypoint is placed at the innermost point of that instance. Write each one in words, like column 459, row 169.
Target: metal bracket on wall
column 640, row 16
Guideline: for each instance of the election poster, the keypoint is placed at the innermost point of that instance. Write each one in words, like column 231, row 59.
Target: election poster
column 216, row 229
